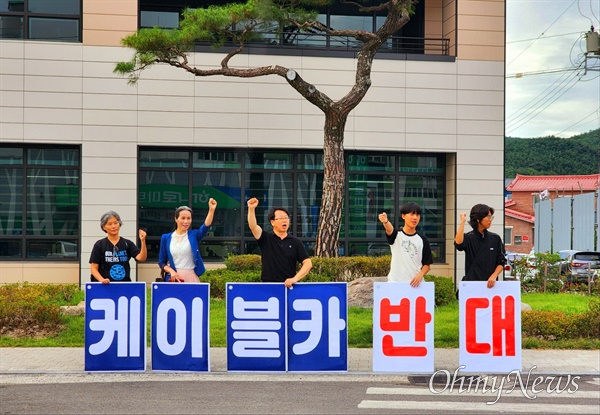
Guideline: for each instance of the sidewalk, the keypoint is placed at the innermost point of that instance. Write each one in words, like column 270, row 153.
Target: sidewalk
column 41, row 360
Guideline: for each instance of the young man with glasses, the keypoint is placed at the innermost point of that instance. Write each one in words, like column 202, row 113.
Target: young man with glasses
column 484, row 250
column 279, row 251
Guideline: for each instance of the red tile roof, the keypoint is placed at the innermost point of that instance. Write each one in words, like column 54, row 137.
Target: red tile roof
column 508, row 203
column 519, row 215
column 522, row 183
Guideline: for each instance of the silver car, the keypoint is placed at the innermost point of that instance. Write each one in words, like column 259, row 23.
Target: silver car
column 584, row 265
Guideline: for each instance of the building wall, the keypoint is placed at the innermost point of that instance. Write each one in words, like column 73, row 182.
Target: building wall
column 106, row 22
column 521, row 228
column 454, row 108
column 481, row 29
column 524, row 202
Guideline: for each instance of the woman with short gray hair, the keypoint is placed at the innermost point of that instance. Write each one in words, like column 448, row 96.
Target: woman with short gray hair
column 109, row 260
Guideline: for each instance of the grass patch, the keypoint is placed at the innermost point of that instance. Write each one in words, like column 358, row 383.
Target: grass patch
column 568, row 303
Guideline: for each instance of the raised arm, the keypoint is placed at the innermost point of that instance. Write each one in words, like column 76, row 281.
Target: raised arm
column 212, row 206
column 254, row 228
column 387, row 225
column 460, row 233
column 143, row 255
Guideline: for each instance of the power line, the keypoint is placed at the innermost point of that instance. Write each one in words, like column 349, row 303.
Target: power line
column 554, row 88
column 544, row 108
column 540, row 96
column 544, row 72
column 580, row 121
column 542, row 34
column 538, row 103
column 583, row 15
column 592, row 10
column 546, row 37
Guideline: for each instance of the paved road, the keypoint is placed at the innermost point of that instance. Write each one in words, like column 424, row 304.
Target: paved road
column 52, row 381
column 271, row 395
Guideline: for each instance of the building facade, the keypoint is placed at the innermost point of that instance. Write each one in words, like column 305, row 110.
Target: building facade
column 76, row 140
column 525, row 191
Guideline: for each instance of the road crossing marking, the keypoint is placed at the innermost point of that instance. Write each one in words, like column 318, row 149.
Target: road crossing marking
column 516, row 392
column 525, row 405
column 478, row 407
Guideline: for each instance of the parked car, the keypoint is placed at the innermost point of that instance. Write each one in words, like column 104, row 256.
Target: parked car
column 63, row 249
column 566, row 256
column 584, row 265
column 509, row 268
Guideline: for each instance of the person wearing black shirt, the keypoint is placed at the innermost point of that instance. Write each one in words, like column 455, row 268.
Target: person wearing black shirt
column 484, row 250
column 279, row 251
column 109, row 260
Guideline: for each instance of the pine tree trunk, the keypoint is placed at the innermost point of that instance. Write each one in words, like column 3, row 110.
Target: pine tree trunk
column 330, row 216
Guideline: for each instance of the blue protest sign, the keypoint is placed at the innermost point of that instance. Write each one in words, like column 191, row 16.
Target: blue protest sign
column 180, row 335
column 256, row 327
column 115, row 326
column 317, row 327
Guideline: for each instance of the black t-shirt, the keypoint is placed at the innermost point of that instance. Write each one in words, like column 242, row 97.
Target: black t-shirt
column 113, row 260
column 483, row 253
column 280, row 256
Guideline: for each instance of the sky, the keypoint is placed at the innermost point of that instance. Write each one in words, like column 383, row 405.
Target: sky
column 545, row 42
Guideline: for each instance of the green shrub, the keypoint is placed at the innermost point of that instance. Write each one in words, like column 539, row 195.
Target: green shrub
column 243, row 263
column 551, row 325
column 217, row 278
column 590, row 320
column 32, row 309
column 444, row 289
column 324, row 269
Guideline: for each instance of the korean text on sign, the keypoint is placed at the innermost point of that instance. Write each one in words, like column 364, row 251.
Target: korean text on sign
column 317, row 327
column 180, row 335
column 115, row 327
column 490, row 327
column 403, row 327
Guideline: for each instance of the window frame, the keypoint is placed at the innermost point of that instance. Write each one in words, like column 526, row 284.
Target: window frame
column 297, row 168
column 26, row 15
column 23, row 235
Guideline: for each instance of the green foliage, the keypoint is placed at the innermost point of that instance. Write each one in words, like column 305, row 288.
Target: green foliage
column 542, row 274
column 247, row 268
column 590, row 320
column 33, row 309
column 243, row 263
column 323, row 269
column 444, row 290
column 553, row 156
column 558, row 324
column 218, row 279
column 237, row 22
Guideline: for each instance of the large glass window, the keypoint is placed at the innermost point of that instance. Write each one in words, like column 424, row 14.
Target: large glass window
column 56, row 20
column 39, row 203
column 376, row 182
column 338, row 16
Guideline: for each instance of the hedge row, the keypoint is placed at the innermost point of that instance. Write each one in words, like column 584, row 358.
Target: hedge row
column 551, row 325
column 247, row 268
column 342, row 269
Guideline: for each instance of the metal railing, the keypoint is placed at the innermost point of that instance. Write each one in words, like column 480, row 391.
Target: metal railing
column 321, row 41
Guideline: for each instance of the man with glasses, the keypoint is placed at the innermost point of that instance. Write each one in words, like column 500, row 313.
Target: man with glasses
column 484, row 250
column 279, row 251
